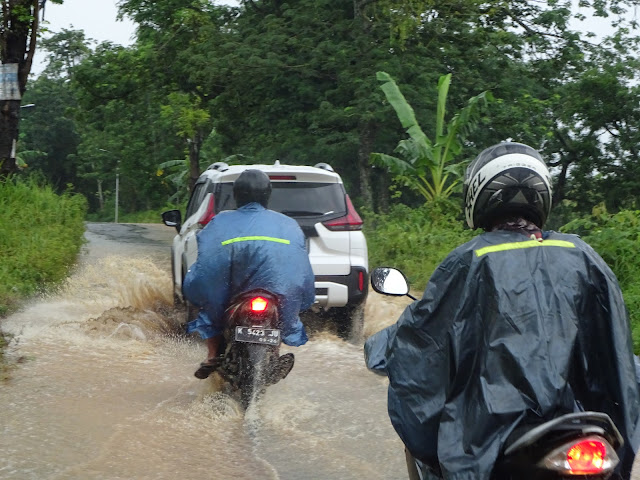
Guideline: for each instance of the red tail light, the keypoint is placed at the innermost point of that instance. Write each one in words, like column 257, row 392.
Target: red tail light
column 351, row 221
column 209, row 213
column 259, row 304
column 590, row 456
column 587, row 457
column 361, row 281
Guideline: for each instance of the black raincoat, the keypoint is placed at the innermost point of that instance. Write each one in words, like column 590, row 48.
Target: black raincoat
column 509, row 330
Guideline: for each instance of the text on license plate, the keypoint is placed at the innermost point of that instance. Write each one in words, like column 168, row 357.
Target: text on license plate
column 267, row 336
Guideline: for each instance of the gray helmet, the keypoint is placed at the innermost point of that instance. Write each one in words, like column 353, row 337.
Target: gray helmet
column 507, row 179
column 252, row 186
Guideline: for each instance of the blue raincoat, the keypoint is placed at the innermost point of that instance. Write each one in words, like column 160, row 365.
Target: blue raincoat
column 509, row 330
column 251, row 247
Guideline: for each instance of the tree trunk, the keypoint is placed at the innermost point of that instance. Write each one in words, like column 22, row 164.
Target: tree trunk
column 367, row 136
column 9, row 118
column 558, row 194
column 194, row 159
column 382, row 191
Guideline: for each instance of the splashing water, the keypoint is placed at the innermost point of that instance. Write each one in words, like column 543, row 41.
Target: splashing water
column 103, row 388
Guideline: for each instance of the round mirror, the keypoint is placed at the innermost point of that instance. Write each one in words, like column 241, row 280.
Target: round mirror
column 389, row 281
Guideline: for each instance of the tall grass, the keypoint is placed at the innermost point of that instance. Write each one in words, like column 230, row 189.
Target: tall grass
column 40, row 236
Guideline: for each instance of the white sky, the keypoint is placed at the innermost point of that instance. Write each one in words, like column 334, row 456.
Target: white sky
column 96, row 17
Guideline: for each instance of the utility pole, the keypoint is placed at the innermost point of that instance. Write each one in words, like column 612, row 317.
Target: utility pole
column 117, row 187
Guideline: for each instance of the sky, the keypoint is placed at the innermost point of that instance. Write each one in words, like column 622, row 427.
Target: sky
column 100, row 23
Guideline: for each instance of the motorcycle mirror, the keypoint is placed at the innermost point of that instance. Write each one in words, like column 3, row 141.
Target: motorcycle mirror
column 390, row 281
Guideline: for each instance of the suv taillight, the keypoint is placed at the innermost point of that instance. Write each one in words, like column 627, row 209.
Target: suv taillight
column 209, row 213
column 351, row 221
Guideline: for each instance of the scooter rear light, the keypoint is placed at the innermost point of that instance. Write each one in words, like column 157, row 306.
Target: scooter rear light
column 259, row 304
column 589, row 456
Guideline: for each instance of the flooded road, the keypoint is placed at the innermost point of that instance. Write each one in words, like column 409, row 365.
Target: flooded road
column 103, row 387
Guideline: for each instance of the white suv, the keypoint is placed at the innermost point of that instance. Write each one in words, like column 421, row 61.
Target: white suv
column 316, row 199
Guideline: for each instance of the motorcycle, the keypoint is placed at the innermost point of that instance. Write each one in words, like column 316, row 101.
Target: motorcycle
column 250, row 359
column 575, row 445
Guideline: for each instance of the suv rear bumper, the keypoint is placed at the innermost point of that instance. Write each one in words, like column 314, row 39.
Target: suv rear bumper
column 342, row 290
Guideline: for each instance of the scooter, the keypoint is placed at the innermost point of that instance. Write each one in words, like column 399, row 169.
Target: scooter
column 250, row 359
column 576, row 445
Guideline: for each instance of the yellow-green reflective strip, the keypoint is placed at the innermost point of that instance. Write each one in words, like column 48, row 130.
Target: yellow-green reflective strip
column 247, row 239
column 518, row 245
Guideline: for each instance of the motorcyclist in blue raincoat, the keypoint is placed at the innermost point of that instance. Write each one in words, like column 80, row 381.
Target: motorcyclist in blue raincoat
column 240, row 250
column 516, row 326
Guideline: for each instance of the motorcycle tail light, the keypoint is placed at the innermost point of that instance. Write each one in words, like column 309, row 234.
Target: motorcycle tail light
column 259, row 304
column 588, row 456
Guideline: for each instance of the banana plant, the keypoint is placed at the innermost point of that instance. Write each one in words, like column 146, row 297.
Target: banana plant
column 424, row 165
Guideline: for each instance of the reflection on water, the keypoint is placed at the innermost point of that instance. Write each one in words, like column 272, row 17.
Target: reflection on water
column 105, row 390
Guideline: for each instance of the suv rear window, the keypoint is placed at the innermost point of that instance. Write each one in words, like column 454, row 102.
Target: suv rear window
column 295, row 199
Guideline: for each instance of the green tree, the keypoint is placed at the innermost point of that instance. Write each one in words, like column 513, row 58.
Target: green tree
column 176, row 30
column 48, row 129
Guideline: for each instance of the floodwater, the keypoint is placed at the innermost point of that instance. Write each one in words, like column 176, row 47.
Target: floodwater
column 103, row 387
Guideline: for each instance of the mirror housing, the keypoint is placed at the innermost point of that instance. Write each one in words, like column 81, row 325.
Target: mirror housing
column 172, row 218
column 389, row 281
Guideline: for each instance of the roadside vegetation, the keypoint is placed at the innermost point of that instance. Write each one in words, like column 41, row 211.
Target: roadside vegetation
column 41, row 233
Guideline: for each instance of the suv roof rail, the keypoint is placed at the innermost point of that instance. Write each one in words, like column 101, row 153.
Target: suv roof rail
column 218, row 166
column 324, row 166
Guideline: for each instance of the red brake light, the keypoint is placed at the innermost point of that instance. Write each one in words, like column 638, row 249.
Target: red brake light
column 351, row 221
column 282, row 177
column 209, row 213
column 259, row 304
column 587, row 457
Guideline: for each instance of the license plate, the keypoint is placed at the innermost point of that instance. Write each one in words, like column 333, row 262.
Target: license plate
column 266, row 336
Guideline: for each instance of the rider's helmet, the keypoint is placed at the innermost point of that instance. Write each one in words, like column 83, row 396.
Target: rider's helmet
column 507, row 179
column 252, row 186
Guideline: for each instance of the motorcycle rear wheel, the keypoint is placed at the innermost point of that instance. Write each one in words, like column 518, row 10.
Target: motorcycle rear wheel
column 252, row 382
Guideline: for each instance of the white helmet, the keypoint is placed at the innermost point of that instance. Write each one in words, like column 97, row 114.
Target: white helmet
column 507, row 179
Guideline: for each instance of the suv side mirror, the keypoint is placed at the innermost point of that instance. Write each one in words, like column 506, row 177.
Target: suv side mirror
column 172, row 218
column 390, row 281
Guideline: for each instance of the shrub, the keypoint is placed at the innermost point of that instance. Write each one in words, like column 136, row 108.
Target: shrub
column 415, row 240
column 617, row 239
